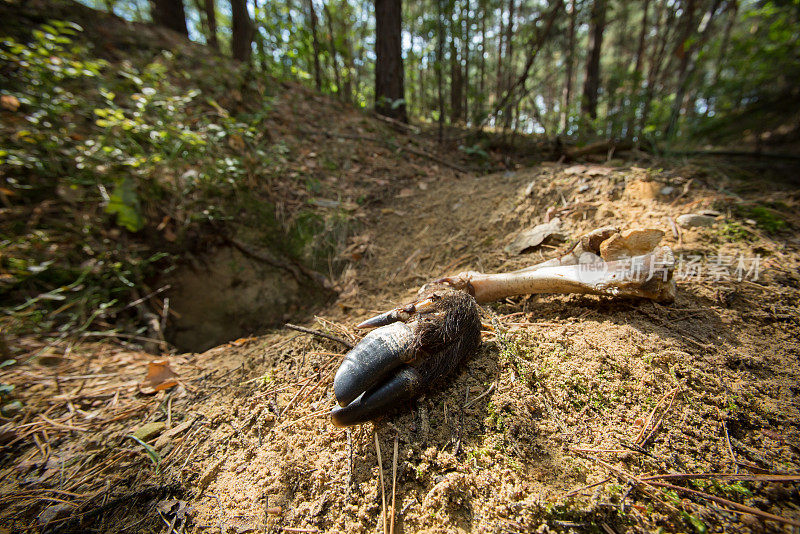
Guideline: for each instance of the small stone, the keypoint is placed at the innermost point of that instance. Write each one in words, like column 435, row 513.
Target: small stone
column 641, row 190
column 710, row 213
column 54, row 512
column 667, row 190
column 690, row 220
column 150, row 430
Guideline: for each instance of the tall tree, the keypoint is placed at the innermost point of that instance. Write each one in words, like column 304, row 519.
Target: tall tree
column 689, row 48
column 242, row 30
column 570, row 61
column 313, row 22
column 389, row 86
column 170, row 14
column 211, row 22
column 591, row 84
column 334, row 56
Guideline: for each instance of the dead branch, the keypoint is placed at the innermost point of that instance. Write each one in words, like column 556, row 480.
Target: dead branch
column 319, row 334
column 600, row 147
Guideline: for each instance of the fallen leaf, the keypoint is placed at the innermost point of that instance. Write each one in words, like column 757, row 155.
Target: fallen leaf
column 149, row 430
column 9, row 102
column 534, row 237
column 159, row 377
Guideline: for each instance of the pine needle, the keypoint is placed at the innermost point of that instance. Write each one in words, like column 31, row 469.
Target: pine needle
column 383, row 489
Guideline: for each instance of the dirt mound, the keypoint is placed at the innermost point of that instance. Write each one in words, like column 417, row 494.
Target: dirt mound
column 557, row 422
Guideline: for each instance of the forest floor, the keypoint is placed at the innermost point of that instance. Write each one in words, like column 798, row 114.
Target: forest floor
column 563, row 420
column 571, row 402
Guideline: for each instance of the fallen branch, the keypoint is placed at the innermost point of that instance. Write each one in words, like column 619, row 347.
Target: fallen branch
column 319, row 334
column 297, row 271
column 407, row 148
column 600, row 147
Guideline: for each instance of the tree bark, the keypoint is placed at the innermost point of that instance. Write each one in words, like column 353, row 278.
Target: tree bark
column 688, row 64
column 591, row 83
column 567, row 94
column 242, row 31
column 509, row 70
column 334, row 57
column 534, row 45
column 456, row 81
column 312, row 20
column 439, row 67
column 465, row 54
column 169, row 14
column 482, row 93
column 211, row 22
column 389, row 83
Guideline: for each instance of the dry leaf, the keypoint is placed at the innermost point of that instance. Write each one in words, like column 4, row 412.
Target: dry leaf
column 9, row 102
column 159, row 377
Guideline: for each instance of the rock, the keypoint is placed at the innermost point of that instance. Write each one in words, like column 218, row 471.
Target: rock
column 710, row 213
column 149, row 430
column 56, row 511
column 641, row 190
column 535, row 236
column 667, row 190
column 630, row 243
column 691, row 220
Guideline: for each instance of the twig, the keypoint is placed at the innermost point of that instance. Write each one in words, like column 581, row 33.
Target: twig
column 149, row 295
column 319, row 334
column 394, row 483
column 728, row 441
column 62, row 426
column 308, row 416
column 726, row 476
column 639, row 439
column 584, row 488
column 383, row 489
column 725, row 502
column 482, row 395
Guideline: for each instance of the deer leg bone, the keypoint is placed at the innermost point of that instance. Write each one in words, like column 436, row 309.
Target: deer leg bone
column 415, row 345
column 647, row 276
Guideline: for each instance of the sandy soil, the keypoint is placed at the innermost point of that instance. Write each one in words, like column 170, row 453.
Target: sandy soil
column 553, row 425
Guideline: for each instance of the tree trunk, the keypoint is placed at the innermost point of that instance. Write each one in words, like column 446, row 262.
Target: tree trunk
column 211, row 24
column 591, row 83
column 439, row 67
column 688, row 64
column 242, row 31
column 567, row 94
column 456, row 81
column 169, row 14
column 482, row 93
column 312, row 20
column 656, row 61
column 334, row 57
column 509, row 70
column 389, row 89
column 465, row 54
column 500, row 35
column 259, row 38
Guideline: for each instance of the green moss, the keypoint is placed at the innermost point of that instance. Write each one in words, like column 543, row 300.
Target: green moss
column 767, row 219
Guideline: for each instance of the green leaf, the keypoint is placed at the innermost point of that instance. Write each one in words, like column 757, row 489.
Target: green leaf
column 151, row 452
column 124, row 202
